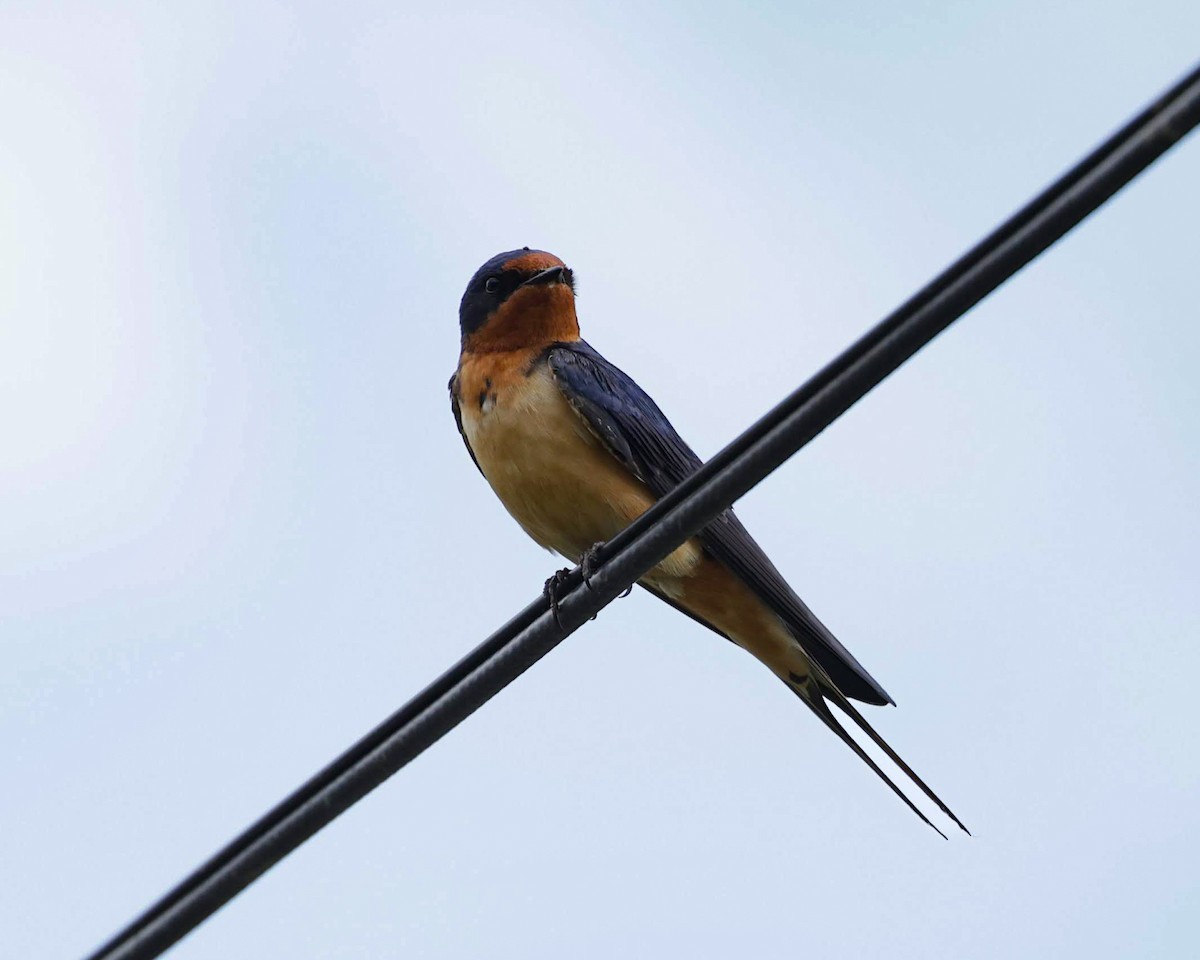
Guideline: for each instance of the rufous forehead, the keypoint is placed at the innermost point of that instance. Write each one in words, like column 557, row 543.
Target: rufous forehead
column 533, row 262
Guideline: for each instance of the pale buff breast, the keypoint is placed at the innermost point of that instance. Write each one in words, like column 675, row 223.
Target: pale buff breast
column 547, row 467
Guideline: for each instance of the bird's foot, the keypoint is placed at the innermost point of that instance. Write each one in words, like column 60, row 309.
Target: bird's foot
column 588, row 563
column 550, row 591
column 587, row 566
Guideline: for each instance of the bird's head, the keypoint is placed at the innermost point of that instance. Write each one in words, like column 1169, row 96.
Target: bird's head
column 519, row 299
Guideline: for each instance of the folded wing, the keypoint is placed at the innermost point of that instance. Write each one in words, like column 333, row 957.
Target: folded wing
column 638, row 434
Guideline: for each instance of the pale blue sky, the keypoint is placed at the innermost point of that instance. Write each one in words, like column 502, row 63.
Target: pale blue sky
column 238, row 528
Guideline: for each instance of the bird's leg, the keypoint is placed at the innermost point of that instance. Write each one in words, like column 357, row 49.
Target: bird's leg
column 550, row 591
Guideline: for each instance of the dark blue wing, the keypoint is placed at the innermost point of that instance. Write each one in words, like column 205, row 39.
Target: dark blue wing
column 454, row 408
column 638, row 434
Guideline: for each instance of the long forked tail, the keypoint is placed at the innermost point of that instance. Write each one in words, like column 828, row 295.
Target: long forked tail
column 817, row 691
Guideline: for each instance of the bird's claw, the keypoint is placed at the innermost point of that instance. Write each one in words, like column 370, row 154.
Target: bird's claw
column 550, row 591
column 589, row 561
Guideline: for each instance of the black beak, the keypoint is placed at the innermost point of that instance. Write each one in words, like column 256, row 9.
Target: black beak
column 553, row 275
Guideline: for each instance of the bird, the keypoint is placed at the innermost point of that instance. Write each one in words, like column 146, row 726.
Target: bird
column 575, row 450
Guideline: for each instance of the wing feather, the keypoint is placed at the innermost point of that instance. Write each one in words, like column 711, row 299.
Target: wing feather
column 453, row 385
column 638, row 434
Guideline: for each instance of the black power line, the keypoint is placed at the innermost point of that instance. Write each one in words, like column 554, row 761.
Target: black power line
column 731, row 473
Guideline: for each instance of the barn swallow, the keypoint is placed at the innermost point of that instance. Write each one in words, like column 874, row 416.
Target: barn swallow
column 575, row 450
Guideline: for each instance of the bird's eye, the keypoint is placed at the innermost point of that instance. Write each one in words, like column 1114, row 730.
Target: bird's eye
column 492, row 285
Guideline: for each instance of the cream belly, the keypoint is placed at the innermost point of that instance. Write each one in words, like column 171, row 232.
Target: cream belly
column 552, row 473
column 568, row 492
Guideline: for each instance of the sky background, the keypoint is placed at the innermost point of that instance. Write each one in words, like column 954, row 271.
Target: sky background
column 238, row 527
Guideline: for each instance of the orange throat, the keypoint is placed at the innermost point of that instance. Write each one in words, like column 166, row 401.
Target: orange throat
column 532, row 318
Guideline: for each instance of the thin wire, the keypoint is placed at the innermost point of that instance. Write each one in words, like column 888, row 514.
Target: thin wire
column 533, row 632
